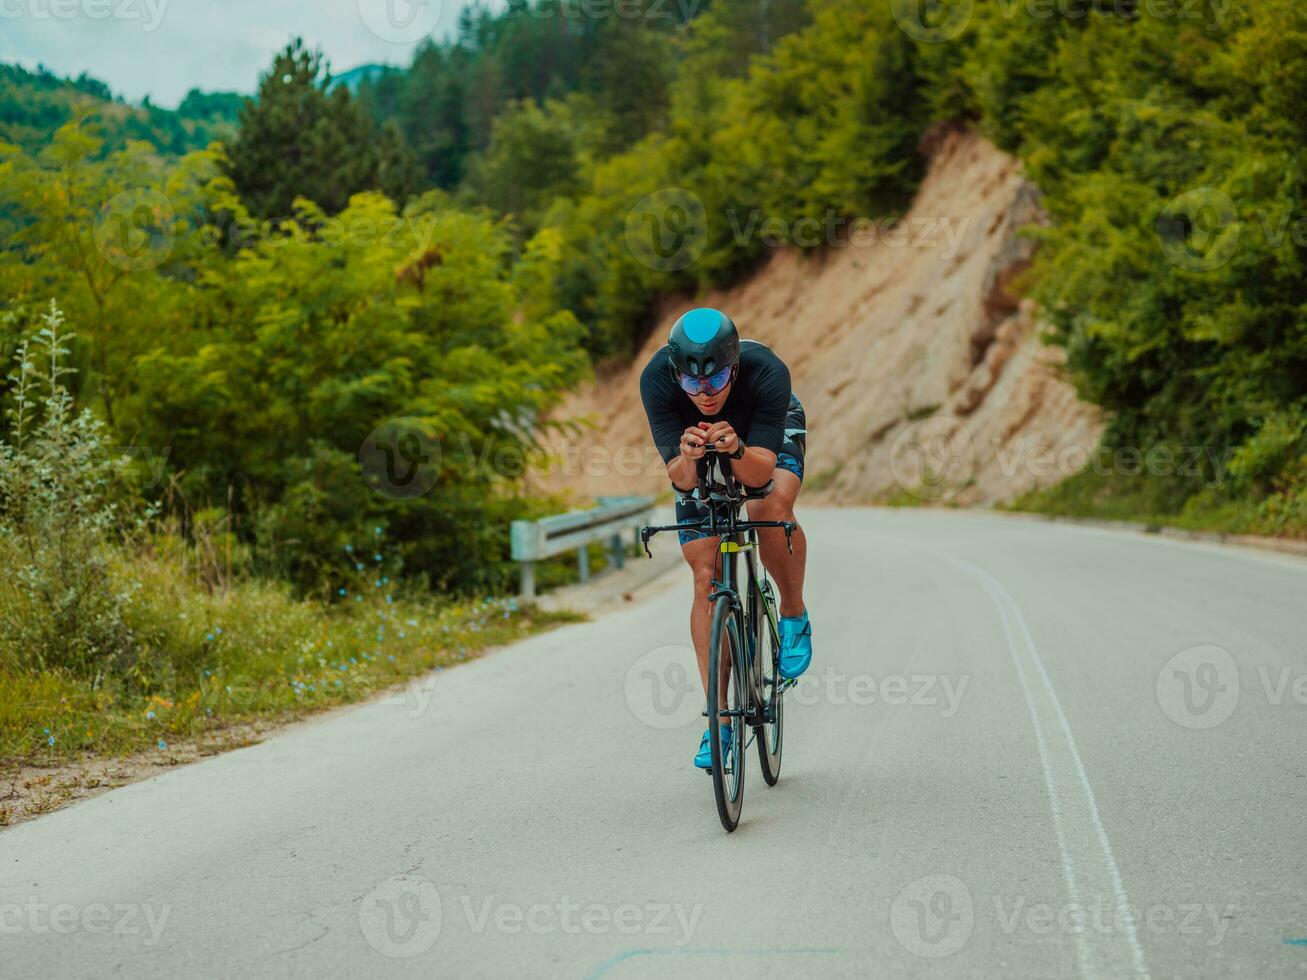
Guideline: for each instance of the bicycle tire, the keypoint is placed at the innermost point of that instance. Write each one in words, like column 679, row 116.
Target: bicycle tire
column 770, row 737
column 727, row 773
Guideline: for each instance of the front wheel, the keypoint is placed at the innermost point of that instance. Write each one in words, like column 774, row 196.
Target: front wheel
column 726, row 691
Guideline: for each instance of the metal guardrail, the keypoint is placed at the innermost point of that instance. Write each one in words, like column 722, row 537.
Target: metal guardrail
column 549, row 536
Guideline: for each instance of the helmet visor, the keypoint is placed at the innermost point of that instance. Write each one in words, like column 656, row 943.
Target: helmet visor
column 705, row 386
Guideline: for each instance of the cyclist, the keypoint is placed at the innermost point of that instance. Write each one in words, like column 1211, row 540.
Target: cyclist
column 704, row 389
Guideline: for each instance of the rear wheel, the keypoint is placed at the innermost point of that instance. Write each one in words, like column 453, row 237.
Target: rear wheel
column 770, row 734
column 726, row 690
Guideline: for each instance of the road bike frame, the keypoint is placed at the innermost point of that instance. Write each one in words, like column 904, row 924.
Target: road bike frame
column 740, row 616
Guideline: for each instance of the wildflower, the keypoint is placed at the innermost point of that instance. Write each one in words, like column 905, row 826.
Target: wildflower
column 162, row 744
column 376, row 530
column 218, row 630
column 341, row 591
column 376, row 556
column 349, row 547
column 149, row 715
column 208, row 637
column 50, row 740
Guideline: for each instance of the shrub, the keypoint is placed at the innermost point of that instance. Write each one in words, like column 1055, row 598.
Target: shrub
column 59, row 607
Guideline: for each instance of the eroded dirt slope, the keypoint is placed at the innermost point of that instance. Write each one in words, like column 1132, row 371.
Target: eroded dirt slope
column 920, row 372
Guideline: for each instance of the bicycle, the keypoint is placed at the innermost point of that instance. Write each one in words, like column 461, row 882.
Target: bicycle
column 744, row 680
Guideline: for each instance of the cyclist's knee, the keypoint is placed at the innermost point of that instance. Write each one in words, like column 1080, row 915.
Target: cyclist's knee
column 703, row 578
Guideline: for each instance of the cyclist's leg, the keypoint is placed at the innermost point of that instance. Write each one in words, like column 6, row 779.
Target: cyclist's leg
column 786, row 569
column 702, row 555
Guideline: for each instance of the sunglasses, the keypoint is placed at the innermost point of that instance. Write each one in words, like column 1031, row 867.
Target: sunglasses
column 705, row 386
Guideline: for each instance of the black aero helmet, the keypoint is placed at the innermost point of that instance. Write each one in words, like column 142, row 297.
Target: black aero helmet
column 703, row 342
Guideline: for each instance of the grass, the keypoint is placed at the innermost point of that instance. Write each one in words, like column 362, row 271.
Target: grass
column 212, row 660
column 1158, row 501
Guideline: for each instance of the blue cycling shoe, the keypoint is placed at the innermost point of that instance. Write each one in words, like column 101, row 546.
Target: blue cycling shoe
column 796, row 645
column 703, row 759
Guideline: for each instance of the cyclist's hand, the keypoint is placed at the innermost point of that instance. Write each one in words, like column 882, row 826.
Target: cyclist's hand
column 694, row 442
column 721, row 436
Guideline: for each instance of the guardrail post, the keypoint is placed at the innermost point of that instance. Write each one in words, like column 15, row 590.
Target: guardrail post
column 528, row 590
column 619, row 553
column 583, row 563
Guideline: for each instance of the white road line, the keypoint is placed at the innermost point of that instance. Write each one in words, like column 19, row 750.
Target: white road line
column 1113, row 951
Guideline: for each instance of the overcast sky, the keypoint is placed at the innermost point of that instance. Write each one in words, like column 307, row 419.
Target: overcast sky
column 163, row 48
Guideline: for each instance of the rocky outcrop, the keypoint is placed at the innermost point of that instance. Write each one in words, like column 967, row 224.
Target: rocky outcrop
column 919, row 364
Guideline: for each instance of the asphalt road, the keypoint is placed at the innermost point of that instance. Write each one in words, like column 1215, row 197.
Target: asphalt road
column 1023, row 750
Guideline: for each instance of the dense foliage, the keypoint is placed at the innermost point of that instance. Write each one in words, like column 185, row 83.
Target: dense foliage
column 35, row 104
column 301, row 138
column 246, row 365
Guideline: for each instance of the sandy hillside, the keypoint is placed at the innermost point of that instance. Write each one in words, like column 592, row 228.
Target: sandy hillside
column 919, row 372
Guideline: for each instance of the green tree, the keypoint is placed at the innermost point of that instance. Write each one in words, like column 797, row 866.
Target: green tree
column 300, row 137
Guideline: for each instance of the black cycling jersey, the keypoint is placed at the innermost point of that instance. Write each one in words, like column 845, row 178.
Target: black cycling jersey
column 756, row 406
